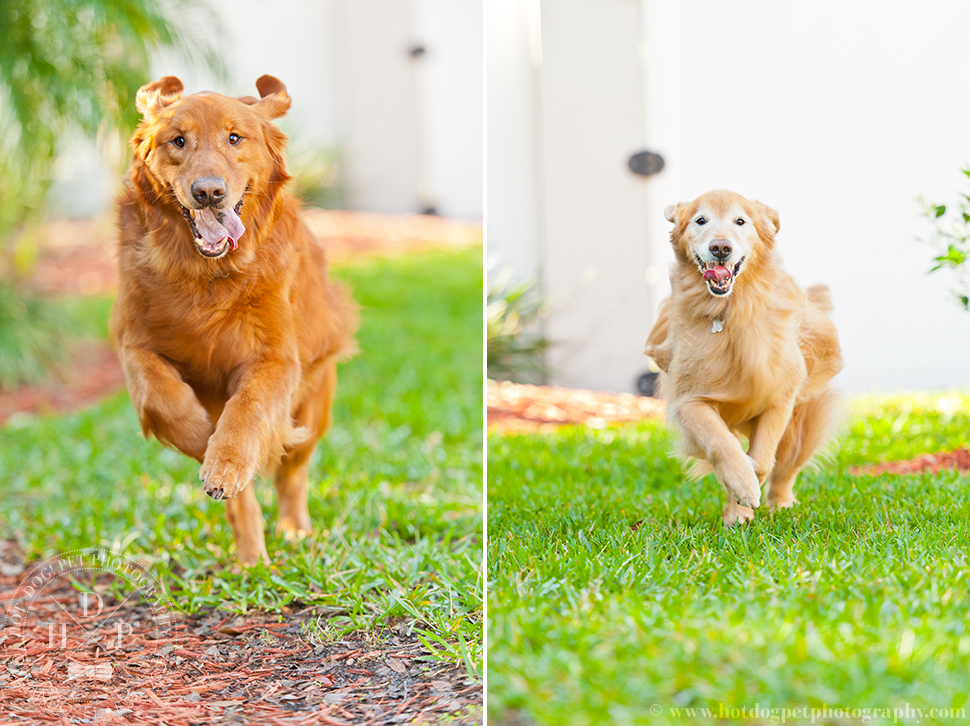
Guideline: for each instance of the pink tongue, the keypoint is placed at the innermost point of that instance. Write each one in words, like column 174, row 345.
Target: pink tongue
column 719, row 273
column 215, row 225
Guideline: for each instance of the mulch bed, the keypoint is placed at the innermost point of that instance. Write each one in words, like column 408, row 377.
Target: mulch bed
column 959, row 460
column 517, row 407
column 218, row 667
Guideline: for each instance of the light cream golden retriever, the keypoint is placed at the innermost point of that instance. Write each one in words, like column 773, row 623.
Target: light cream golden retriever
column 744, row 352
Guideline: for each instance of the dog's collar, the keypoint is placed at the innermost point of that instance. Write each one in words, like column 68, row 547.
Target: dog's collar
column 717, row 326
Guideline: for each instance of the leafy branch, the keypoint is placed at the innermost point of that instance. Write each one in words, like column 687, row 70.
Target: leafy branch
column 951, row 240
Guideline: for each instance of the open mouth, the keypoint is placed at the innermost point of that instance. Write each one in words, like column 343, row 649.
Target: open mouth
column 216, row 231
column 719, row 277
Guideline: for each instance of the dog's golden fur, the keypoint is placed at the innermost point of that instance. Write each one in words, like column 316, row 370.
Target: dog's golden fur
column 765, row 374
column 229, row 354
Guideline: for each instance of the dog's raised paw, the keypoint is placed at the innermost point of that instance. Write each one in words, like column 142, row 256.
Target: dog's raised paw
column 742, row 483
column 223, row 479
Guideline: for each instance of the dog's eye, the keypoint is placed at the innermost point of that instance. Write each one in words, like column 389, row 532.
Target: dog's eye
column 701, row 221
column 179, row 141
column 234, row 139
column 739, row 221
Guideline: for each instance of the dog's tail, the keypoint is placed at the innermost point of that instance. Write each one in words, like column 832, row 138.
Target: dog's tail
column 821, row 297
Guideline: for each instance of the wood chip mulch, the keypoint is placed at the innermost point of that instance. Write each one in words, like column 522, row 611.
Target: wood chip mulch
column 218, row 667
column 517, row 407
column 959, row 460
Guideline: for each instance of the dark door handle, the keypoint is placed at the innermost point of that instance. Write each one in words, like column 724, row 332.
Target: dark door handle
column 646, row 163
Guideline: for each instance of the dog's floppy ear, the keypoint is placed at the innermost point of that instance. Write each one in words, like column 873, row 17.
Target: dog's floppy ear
column 153, row 97
column 771, row 215
column 671, row 210
column 274, row 99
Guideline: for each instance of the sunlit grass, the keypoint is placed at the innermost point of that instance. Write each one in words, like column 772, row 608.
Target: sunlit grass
column 614, row 589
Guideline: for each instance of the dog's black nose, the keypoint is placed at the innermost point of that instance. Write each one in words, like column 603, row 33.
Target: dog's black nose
column 720, row 248
column 208, row 190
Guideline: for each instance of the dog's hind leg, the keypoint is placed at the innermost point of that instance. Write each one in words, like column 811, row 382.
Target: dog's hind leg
column 810, row 424
column 246, row 519
column 291, row 487
column 766, row 433
column 291, row 476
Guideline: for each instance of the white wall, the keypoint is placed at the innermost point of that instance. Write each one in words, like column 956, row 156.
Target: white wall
column 593, row 244
column 839, row 117
column 376, row 95
column 411, row 127
column 451, row 105
column 514, row 57
column 564, row 115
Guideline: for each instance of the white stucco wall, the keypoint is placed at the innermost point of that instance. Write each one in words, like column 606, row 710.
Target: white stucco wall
column 514, row 58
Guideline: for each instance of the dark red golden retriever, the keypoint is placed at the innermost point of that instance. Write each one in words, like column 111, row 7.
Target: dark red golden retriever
column 226, row 323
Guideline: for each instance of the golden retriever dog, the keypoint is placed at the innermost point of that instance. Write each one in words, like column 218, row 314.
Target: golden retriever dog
column 744, row 352
column 226, row 324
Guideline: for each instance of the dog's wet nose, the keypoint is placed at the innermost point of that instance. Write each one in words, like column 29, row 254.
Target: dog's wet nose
column 720, row 248
column 208, row 190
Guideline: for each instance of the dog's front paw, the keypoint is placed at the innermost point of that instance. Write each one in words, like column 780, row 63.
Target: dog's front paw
column 734, row 514
column 224, row 475
column 742, row 483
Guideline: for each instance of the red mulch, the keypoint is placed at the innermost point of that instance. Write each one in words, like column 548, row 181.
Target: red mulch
column 215, row 667
column 959, row 460
column 517, row 407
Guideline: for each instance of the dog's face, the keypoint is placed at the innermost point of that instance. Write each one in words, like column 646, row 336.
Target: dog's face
column 720, row 232
column 207, row 152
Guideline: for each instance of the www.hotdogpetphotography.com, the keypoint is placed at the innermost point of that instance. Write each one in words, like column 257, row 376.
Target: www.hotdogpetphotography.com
column 823, row 713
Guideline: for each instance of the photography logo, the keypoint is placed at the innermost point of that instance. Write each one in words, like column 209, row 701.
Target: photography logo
column 81, row 625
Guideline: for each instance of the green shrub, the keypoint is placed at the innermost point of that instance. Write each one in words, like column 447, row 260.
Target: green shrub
column 516, row 345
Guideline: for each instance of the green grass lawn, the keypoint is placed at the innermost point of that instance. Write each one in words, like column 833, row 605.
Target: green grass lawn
column 396, row 486
column 616, row 597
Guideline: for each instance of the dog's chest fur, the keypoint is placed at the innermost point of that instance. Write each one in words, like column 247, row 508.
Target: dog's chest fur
column 745, row 367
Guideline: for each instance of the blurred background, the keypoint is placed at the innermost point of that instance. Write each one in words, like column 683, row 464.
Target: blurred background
column 387, row 98
column 847, row 118
column 387, row 119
